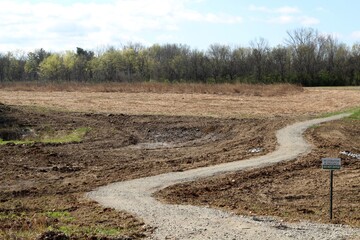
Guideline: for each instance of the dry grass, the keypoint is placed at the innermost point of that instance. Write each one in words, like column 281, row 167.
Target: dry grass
column 155, row 87
column 29, row 217
column 310, row 102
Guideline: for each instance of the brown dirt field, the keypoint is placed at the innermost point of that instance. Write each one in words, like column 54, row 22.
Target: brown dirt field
column 156, row 87
column 294, row 190
column 133, row 135
column 309, row 102
column 45, row 177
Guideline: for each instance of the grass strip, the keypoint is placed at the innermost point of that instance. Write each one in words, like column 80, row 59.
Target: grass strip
column 76, row 136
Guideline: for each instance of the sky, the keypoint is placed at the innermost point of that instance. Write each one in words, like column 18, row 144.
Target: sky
column 64, row 25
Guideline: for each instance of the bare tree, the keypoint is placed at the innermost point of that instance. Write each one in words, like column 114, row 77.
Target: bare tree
column 219, row 56
column 260, row 49
column 303, row 43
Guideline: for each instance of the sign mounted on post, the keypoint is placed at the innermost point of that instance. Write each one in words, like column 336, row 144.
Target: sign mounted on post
column 331, row 163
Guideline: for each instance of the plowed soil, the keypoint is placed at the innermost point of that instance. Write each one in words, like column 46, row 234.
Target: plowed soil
column 134, row 135
column 295, row 190
column 310, row 102
column 41, row 177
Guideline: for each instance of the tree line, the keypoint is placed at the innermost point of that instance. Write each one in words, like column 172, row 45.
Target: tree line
column 307, row 58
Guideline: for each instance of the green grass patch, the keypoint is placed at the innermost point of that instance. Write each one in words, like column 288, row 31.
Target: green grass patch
column 30, row 225
column 92, row 231
column 350, row 110
column 76, row 230
column 63, row 221
column 75, row 136
column 314, row 126
column 28, row 218
column 355, row 115
column 24, row 234
column 63, row 216
column 2, row 142
column 9, row 216
column 52, row 137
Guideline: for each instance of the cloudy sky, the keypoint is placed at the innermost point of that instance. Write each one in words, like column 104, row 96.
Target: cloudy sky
column 64, row 25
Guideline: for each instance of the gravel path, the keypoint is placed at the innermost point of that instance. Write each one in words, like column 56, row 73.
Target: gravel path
column 191, row 222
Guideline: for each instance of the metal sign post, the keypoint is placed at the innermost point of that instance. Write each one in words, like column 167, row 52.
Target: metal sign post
column 331, row 193
column 331, row 164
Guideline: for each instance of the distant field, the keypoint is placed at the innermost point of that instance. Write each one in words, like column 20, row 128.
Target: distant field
column 156, row 87
column 337, row 88
column 290, row 102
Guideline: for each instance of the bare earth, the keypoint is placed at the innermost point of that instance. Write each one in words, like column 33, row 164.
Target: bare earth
column 294, row 190
column 187, row 222
column 40, row 178
column 309, row 102
column 136, row 135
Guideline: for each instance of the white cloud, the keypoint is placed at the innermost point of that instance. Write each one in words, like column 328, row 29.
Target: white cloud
column 284, row 15
column 309, row 21
column 281, row 10
column 355, row 35
column 166, row 37
column 335, row 35
column 287, row 10
column 283, row 19
column 321, row 9
column 288, row 19
column 53, row 25
column 259, row 8
column 195, row 16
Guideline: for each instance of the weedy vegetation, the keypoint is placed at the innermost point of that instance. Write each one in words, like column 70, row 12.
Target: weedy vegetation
column 51, row 136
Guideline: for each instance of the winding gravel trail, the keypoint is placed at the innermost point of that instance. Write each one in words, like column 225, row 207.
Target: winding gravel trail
column 191, row 222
